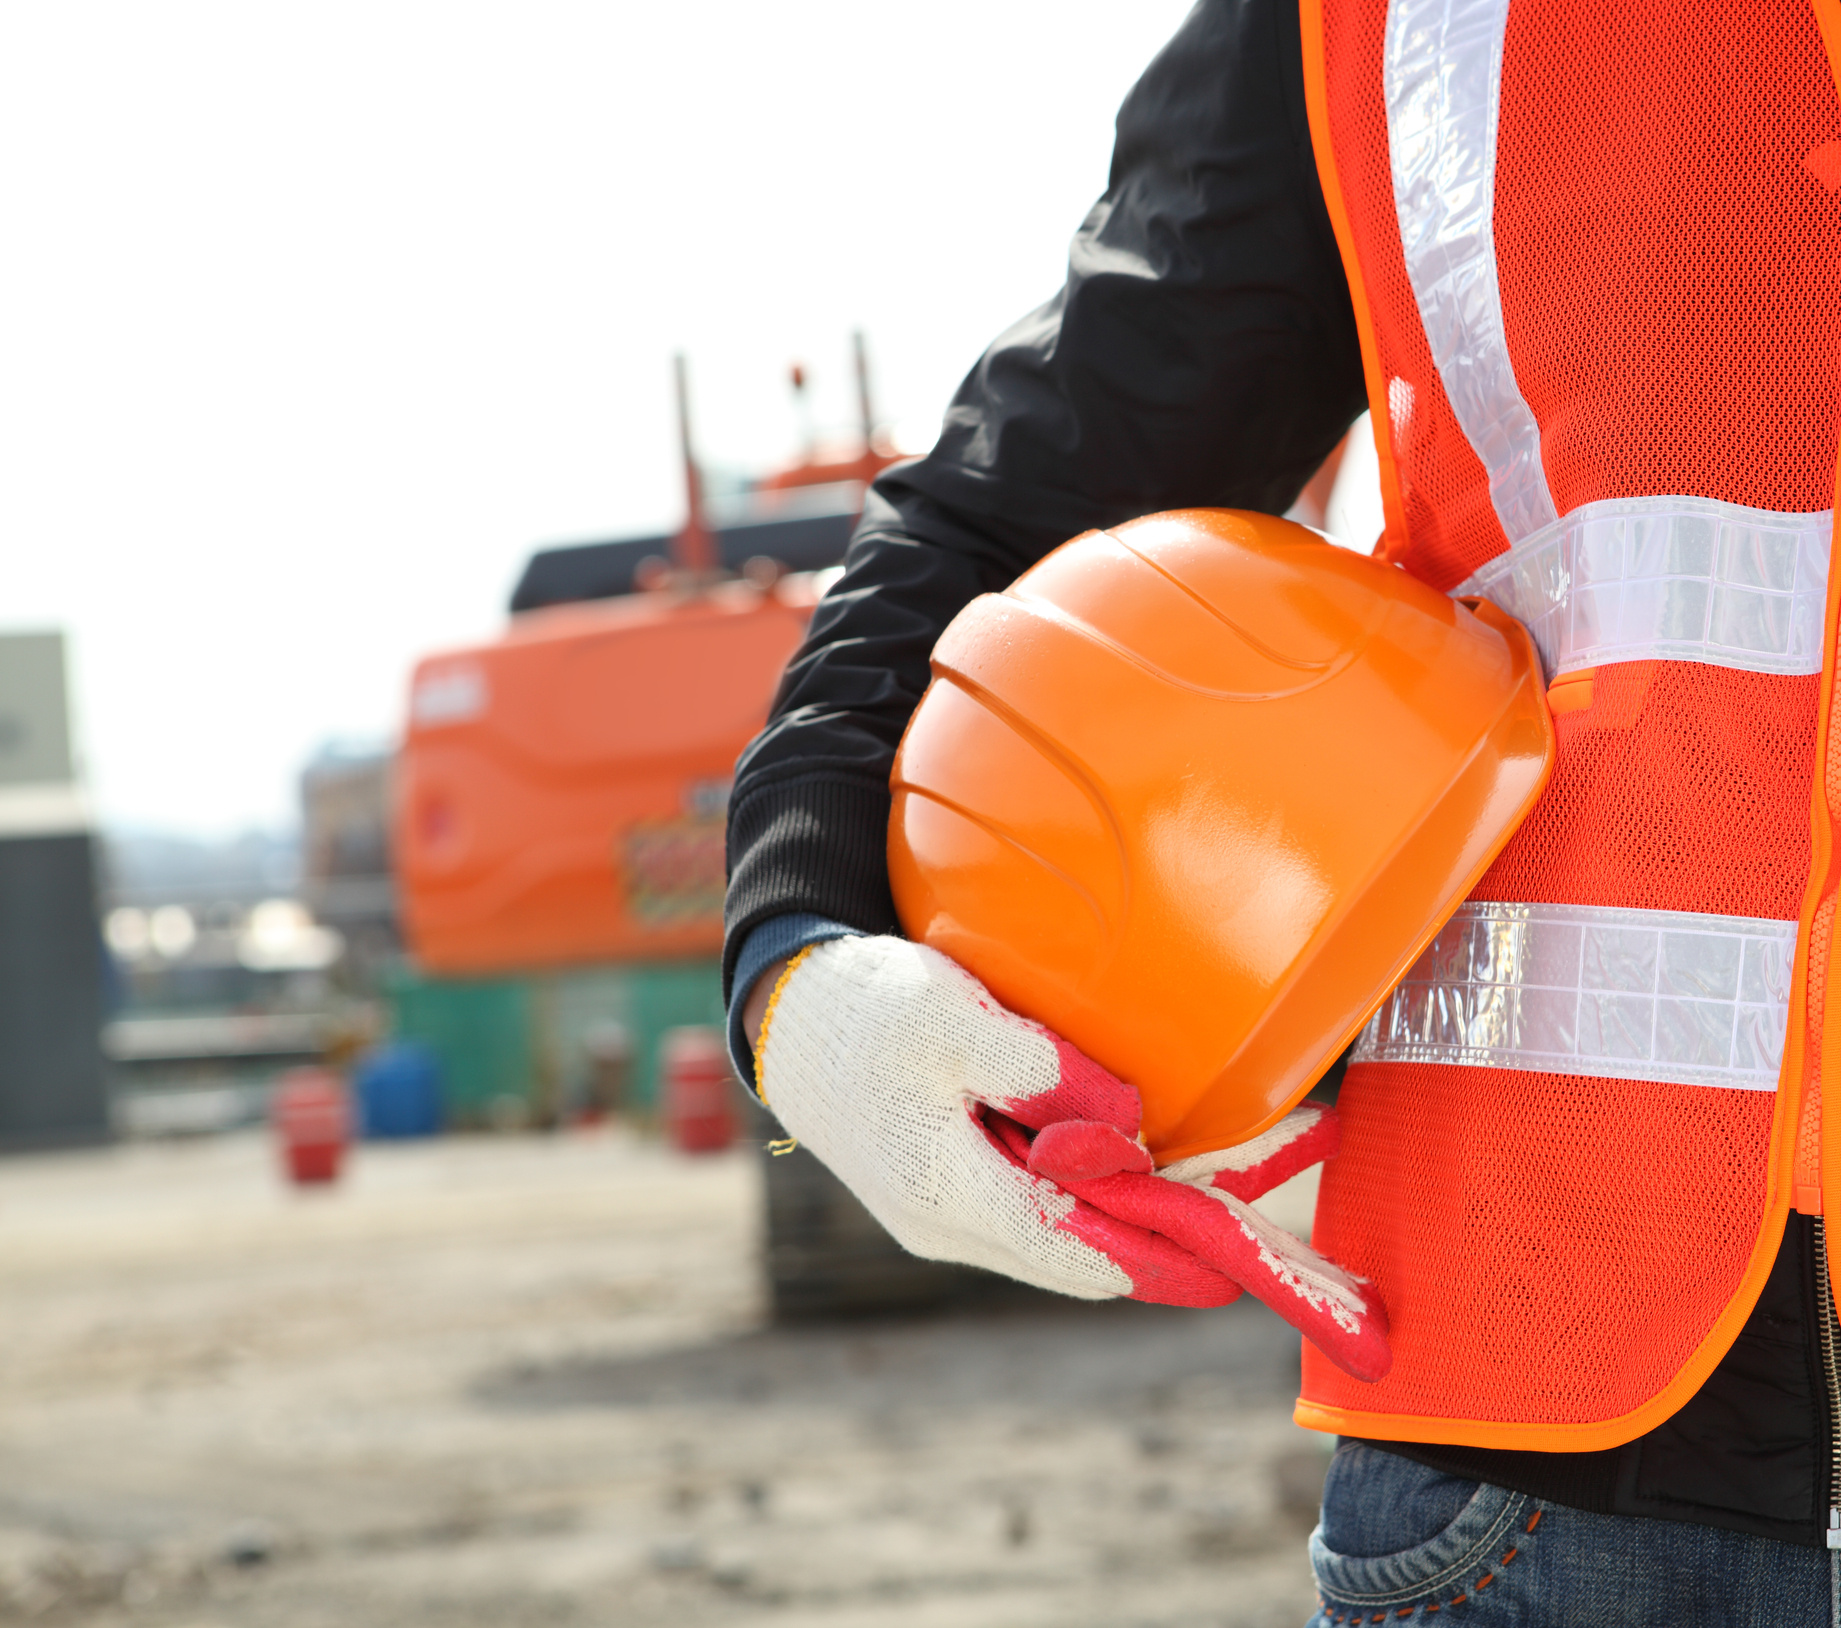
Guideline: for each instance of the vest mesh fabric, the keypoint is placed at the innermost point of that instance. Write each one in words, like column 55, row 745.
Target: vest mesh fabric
column 1808, row 1167
column 1662, row 306
column 1670, row 286
column 1449, row 515
column 1681, row 787
column 1807, row 1170
column 1554, row 1249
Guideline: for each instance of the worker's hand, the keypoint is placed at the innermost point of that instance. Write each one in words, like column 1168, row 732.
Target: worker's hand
column 896, row 1068
column 1205, row 1205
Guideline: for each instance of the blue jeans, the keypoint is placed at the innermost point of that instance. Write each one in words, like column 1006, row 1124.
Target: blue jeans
column 1399, row 1543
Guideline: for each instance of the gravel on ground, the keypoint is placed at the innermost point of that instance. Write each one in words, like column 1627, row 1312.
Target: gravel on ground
column 529, row 1381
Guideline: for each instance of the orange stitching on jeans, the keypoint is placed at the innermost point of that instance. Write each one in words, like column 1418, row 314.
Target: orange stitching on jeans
column 1481, row 1583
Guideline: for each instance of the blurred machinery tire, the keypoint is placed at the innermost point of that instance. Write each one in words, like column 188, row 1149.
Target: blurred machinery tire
column 828, row 1258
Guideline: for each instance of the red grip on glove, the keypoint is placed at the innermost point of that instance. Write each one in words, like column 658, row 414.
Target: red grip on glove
column 1203, row 1205
column 1162, row 1272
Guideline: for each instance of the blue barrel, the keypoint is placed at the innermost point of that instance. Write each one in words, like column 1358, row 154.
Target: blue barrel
column 398, row 1086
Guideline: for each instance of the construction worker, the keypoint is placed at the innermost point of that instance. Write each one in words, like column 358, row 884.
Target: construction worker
column 1581, row 262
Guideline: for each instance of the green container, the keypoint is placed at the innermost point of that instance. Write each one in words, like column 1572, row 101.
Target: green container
column 517, row 1049
column 480, row 1029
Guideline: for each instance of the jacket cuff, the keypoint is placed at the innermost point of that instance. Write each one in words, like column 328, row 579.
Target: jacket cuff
column 815, row 844
column 776, row 939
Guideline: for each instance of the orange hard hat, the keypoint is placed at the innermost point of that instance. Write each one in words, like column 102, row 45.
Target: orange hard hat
column 1195, row 793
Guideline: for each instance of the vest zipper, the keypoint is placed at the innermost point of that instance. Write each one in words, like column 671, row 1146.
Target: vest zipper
column 1831, row 1371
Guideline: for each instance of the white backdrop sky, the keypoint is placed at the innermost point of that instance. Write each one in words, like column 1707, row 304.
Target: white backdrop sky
column 314, row 320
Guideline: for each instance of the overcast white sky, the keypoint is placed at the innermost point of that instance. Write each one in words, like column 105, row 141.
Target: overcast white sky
column 315, row 319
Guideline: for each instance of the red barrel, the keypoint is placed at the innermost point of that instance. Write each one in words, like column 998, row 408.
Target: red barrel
column 698, row 1088
column 312, row 1117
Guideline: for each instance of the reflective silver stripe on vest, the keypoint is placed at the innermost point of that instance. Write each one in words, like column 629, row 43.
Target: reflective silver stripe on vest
column 1443, row 77
column 1669, row 579
column 1570, row 989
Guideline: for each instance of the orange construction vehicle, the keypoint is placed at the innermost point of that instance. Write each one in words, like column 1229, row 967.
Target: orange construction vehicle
column 562, row 789
column 559, row 832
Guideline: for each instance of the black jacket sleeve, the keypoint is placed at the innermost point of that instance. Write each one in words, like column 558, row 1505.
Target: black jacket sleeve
column 1202, row 353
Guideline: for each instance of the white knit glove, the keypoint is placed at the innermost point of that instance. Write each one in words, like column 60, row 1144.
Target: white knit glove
column 901, row 1072
column 877, row 1053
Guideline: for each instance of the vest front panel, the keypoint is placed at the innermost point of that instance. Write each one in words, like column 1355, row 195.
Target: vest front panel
column 1594, row 251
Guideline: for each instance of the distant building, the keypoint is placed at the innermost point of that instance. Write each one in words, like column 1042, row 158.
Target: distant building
column 346, row 879
column 51, row 961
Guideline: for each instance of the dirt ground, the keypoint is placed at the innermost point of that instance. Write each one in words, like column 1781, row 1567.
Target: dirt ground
column 519, row 1381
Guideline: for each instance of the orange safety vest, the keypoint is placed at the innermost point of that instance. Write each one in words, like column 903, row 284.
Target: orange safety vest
column 1593, row 253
